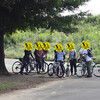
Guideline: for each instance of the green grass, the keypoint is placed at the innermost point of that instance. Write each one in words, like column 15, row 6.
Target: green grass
column 4, row 86
column 88, row 30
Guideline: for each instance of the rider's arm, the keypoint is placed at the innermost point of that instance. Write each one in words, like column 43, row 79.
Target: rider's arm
column 80, row 53
column 45, row 54
column 55, row 53
column 32, row 55
column 69, row 56
column 75, row 55
column 64, row 56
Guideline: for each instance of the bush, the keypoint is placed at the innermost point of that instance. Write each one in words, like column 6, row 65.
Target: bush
column 14, row 44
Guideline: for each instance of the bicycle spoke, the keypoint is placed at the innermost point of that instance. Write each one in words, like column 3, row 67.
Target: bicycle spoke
column 16, row 67
column 96, row 71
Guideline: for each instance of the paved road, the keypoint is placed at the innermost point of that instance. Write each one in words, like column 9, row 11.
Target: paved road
column 9, row 63
column 72, row 88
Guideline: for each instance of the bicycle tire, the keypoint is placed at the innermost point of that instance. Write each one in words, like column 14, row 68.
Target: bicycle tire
column 60, row 71
column 16, row 67
column 50, row 69
column 45, row 67
column 67, row 72
column 79, row 70
column 96, row 71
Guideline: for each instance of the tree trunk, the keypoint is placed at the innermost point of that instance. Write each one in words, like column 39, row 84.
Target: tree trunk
column 3, row 70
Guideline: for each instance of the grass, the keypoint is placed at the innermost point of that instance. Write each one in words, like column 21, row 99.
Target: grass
column 4, row 86
column 88, row 30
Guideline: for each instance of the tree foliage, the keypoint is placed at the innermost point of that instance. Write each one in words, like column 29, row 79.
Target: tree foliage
column 23, row 14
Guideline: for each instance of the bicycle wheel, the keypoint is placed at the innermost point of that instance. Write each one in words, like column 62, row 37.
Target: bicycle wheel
column 96, row 70
column 79, row 70
column 67, row 72
column 45, row 67
column 60, row 71
column 50, row 69
column 16, row 67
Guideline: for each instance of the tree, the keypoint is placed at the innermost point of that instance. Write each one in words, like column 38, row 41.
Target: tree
column 23, row 14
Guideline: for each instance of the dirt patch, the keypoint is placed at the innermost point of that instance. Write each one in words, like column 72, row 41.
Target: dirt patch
column 18, row 82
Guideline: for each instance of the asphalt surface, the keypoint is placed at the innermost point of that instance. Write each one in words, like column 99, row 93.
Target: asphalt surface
column 72, row 88
column 69, row 88
column 9, row 63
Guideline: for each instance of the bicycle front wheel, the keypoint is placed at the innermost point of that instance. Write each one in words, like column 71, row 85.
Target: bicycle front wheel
column 60, row 71
column 96, row 70
column 50, row 69
column 46, row 67
column 16, row 67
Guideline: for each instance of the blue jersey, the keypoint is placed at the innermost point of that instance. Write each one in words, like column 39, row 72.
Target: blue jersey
column 60, row 55
column 72, row 53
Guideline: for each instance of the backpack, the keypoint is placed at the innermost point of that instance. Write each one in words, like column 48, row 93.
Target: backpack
column 90, row 53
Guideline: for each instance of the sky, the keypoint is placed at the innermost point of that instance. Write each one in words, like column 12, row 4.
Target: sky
column 93, row 6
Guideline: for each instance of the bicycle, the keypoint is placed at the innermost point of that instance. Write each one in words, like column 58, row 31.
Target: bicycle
column 55, row 68
column 16, row 67
column 32, row 66
column 68, row 69
column 96, row 69
column 82, row 69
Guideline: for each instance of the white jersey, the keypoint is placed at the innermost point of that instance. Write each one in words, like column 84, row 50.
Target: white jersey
column 83, row 51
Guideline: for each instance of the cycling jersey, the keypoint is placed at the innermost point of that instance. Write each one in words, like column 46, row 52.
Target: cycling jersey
column 26, row 56
column 60, row 55
column 38, row 54
column 83, row 51
column 72, row 53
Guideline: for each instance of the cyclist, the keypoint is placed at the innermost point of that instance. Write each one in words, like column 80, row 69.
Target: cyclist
column 26, row 61
column 59, row 57
column 38, row 57
column 84, row 52
column 72, row 59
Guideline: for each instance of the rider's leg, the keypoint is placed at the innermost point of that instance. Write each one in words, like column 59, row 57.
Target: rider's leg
column 26, row 67
column 31, row 67
column 62, row 66
column 39, row 65
column 84, row 68
column 42, row 65
column 89, row 68
column 71, row 64
column 75, row 69
column 23, row 66
column 63, row 69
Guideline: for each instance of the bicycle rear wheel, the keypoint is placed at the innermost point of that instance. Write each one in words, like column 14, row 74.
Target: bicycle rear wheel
column 45, row 67
column 96, row 70
column 79, row 70
column 50, row 69
column 16, row 67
